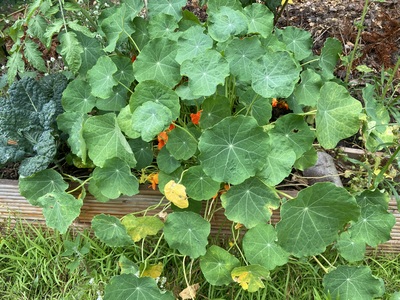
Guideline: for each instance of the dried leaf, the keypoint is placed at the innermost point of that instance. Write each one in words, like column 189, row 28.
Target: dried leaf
column 189, row 292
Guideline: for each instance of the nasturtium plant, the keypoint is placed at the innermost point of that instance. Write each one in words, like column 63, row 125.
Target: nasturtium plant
column 216, row 115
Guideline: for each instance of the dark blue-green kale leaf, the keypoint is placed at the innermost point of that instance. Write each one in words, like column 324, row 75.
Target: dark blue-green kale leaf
column 27, row 122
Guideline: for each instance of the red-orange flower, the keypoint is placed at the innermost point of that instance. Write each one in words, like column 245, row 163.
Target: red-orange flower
column 133, row 58
column 196, row 117
column 153, row 179
column 163, row 136
column 274, row 102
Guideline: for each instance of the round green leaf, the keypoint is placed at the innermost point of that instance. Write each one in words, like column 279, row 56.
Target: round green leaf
column 141, row 34
column 233, row 149
column 215, row 108
column 151, row 90
column 187, row 232
column 260, row 248
column 143, row 152
column 310, row 222
column 116, row 102
column 77, row 96
column 307, row 92
column 241, row 53
column 181, row 143
column 298, row 41
column 217, row 265
column 226, row 22
column 150, row 119
column 250, row 203
column 124, row 72
column 101, row 79
column 115, row 178
column 124, row 120
column 278, row 163
column 291, row 131
column 192, row 42
column 157, row 61
column 163, row 25
column 170, row 7
column 374, row 225
column 105, row 140
column 131, row 287
column 275, row 75
column 60, row 209
column 355, row 283
column 350, row 249
column 258, row 107
column 41, row 183
column 198, row 185
column 110, row 231
column 205, row 72
column 166, row 162
column 337, row 115
column 260, row 19
column 91, row 52
column 375, row 197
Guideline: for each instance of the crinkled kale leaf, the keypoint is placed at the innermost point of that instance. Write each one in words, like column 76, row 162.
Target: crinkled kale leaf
column 27, row 122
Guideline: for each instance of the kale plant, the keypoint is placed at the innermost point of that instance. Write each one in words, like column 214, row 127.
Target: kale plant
column 27, row 122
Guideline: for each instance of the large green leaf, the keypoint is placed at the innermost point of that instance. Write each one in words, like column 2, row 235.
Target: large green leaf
column 291, row 131
column 151, row 90
column 215, row 108
column 233, row 149
column 157, row 61
column 205, row 72
column 116, row 102
column 241, row 53
column 307, row 92
column 297, row 40
column 260, row 247
column 355, row 283
column 187, row 232
column 117, row 26
column 41, row 183
column 330, row 56
column 150, row 119
column 337, row 115
column 163, row 25
column 275, row 75
column 166, row 162
column 110, row 231
column 91, row 52
column 170, row 7
column 350, row 249
column 217, row 265
column 124, row 72
column 192, row 42
column 374, row 225
column 181, row 143
column 131, row 287
column 78, row 97
column 115, row 178
column 141, row 34
column 260, row 19
column 226, row 22
column 143, row 152
column 250, row 203
column 198, row 185
column 310, row 222
column 255, row 105
column 60, row 209
column 101, row 79
column 105, row 140
column 278, row 163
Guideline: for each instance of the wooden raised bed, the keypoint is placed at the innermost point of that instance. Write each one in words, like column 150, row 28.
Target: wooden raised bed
column 13, row 206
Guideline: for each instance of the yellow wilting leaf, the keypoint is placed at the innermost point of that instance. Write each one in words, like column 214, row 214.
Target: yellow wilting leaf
column 152, row 271
column 250, row 277
column 289, row 2
column 176, row 193
column 189, row 292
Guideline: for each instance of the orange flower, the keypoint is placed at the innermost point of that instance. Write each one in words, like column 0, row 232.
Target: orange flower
column 133, row 58
column 274, row 102
column 153, row 179
column 163, row 136
column 196, row 117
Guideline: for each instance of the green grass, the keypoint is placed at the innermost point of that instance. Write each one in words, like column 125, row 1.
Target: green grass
column 32, row 267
